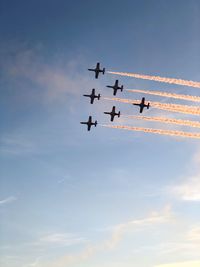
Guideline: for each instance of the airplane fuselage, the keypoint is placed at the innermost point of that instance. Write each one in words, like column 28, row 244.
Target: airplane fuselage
column 116, row 87
column 142, row 105
column 113, row 114
column 89, row 123
column 97, row 70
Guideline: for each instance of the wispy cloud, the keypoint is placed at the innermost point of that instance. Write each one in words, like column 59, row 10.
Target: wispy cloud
column 155, row 218
column 63, row 239
column 189, row 188
column 24, row 64
column 194, row 234
column 7, row 200
column 16, row 144
column 181, row 264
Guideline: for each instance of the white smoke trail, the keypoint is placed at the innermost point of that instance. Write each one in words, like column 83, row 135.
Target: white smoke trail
column 170, row 107
column 189, row 123
column 166, row 94
column 158, row 79
column 155, row 131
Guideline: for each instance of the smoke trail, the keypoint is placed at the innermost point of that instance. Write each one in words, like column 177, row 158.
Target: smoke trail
column 170, row 107
column 155, row 131
column 166, row 94
column 158, row 79
column 195, row 124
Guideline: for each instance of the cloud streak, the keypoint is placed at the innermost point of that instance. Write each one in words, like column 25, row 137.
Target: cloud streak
column 189, row 123
column 7, row 200
column 154, row 131
column 26, row 66
column 181, row 264
column 166, row 94
column 189, row 188
column 158, row 79
column 61, row 239
column 155, row 218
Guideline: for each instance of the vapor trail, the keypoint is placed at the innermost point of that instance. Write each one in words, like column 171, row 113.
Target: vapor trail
column 158, row 79
column 155, row 131
column 170, row 107
column 166, row 94
column 195, row 124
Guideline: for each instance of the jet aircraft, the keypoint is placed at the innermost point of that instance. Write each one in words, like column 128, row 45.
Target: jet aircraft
column 142, row 105
column 93, row 96
column 113, row 114
column 97, row 70
column 116, row 87
column 89, row 123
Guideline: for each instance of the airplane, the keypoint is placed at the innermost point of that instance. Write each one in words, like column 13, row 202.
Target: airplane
column 93, row 96
column 89, row 123
column 97, row 70
column 142, row 105
column 116, row 87
column 113, row 114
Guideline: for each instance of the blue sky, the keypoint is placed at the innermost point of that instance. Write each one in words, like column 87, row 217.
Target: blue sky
column 107, row 197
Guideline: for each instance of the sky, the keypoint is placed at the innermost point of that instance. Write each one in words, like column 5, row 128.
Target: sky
column 108, row 197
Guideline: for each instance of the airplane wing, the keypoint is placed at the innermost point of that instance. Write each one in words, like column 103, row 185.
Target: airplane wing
column 89, row 126
column 92, row 100
column 112, row 117
column 113, row 109
column 98, row 65
column 96, row 74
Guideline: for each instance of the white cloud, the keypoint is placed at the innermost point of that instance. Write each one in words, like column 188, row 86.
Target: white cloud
column 181, row 264
column 155, row 218
column 189, row 188
column 194, row 234
column 55, row 79
column 7, row 200
column 61, row 239
column 16, row 144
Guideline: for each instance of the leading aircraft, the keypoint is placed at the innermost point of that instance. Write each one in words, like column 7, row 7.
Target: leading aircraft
column 93, row 96
column 116, row 87
column 142, row 105
column 113, row 114
column 89, row 123
column 97, row 70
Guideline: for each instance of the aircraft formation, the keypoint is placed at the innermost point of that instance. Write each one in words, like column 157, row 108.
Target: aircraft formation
column 169, row 107
column 97, row 70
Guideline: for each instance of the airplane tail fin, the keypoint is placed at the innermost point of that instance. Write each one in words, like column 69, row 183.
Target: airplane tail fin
column 122, row 87
column 104, row 70
column 95, row 124
column 119, row 114
column 148, row 105
column 99, row 96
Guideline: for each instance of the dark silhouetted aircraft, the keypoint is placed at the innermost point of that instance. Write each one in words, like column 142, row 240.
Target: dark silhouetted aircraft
column 93, row 96
column 116, row 87
column 142, row 105
column 89, row 123
column 113, row 114
column 97, row 70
